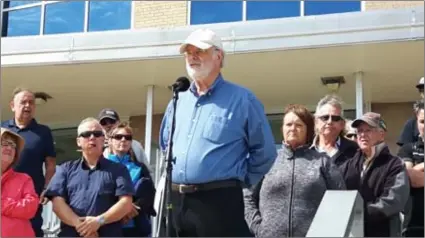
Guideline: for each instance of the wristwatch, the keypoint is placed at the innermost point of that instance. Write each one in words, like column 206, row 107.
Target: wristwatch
column 101, row 220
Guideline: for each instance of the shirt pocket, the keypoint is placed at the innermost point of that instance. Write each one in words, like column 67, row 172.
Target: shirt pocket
column 107, row 187
column 220, row 129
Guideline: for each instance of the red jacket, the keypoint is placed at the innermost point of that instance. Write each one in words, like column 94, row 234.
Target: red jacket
column 19, row 203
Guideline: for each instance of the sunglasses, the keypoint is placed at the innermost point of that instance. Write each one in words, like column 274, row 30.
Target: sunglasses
column 88, row 134
column 107, row 121
column 5, row 143
column 351, row 136
column 119, row 137
column 332, row 117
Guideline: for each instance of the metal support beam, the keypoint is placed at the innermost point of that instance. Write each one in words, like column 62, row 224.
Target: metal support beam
column 148, row 122
column 359, row 94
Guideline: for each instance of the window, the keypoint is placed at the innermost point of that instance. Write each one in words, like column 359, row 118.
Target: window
column 204, row 12
column 109, row 15
column 22, row 22
column 66, row 145
column 256, row 10
column 19, row 3
column 64, row 17
column 23, row 18
column 328, row 7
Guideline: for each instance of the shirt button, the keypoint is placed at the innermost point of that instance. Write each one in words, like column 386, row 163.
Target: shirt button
column 181, row 172
column 198, row 105
column 189, row 136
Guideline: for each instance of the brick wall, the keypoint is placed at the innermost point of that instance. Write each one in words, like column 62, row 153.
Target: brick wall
column 377, row 5
column 138, row 125
column 160, row 13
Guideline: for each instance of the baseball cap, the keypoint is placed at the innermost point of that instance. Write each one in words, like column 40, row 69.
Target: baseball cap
column 203, row 39
column 372, row 119
column 108, row 113
column 420, row 83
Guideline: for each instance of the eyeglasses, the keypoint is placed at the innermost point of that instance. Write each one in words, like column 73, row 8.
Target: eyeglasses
column 351, row 136
column 88, row 134
column 5, row 143
column 107, row 121
column 333, row 118
column 119, row 137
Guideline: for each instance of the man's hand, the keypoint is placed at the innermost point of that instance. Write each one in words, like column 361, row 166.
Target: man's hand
column 419, row 167
column 88, row 227
column 43, row 200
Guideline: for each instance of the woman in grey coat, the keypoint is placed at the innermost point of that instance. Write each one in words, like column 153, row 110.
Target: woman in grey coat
column 285, row 201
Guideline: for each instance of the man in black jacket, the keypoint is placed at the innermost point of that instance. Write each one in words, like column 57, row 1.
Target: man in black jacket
column 410, row 132
column 379, row 177
column 413, row 156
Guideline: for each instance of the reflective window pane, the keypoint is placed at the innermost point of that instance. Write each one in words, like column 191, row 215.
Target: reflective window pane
column 109, row 15
column 256, row 10
column 204, row 12
column 23, row 22
column 64, row 17
column 19, row 3
column 328, row 7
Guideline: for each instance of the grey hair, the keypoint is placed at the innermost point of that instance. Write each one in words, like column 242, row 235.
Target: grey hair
column 330, row 99
column 216, row 49
column 84, row 121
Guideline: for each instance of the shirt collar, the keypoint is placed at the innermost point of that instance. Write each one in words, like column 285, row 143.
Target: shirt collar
column 100, row 163
column 316, row 142
column 215, row 85
column 33, row 123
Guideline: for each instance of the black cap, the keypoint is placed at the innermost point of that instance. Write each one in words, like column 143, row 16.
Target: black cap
column 108, row 113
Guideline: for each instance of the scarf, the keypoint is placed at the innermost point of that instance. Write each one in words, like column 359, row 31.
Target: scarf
column 134, row 171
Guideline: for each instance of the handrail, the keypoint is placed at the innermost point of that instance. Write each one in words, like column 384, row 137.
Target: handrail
column 340, row 214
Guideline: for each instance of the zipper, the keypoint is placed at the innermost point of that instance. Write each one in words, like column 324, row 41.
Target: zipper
column 291, row 198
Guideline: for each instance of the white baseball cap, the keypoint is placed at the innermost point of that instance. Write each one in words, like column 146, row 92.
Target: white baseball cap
column 420, row 83
column 202, row 39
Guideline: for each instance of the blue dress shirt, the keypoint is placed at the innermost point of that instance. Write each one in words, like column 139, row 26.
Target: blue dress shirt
column 90, row 192
column 223, row 134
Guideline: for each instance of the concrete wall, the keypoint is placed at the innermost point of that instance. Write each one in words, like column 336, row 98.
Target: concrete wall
column 379, row 5
column 138, row 124
column 395, row 115
column 160, row 13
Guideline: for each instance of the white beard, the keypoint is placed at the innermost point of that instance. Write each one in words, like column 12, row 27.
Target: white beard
column 198, row 74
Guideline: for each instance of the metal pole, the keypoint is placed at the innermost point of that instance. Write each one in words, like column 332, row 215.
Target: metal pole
column 148, row 122
column 359, row 94
column 1, row 17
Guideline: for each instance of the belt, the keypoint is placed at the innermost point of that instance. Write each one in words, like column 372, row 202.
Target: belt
column 191, row 188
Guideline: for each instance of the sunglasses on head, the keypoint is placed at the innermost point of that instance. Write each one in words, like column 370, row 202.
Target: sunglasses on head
column 107, row 121
column 119, row 137
column 88, row 134
column 333, row 118
column 351, row 136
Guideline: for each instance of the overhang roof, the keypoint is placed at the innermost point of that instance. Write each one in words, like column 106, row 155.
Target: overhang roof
column 239, row 37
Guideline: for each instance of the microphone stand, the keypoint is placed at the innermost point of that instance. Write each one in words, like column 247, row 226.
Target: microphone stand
column 169, row 168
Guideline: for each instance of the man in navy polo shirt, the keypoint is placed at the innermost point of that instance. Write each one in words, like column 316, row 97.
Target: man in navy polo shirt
column 39, row 147
column 91, row 195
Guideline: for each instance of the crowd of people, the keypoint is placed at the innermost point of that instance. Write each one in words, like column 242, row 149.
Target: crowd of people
column 228, row 178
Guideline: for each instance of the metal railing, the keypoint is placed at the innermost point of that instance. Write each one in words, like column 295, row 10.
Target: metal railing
column 340, row 214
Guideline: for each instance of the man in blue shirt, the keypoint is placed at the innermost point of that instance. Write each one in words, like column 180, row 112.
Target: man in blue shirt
column 39, row 147
column 222, row 142
column 91, row 195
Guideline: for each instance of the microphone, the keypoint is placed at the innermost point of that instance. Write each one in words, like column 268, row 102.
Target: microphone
column 182, row 84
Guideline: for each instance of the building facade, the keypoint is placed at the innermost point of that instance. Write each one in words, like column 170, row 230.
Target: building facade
column 93, row 54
